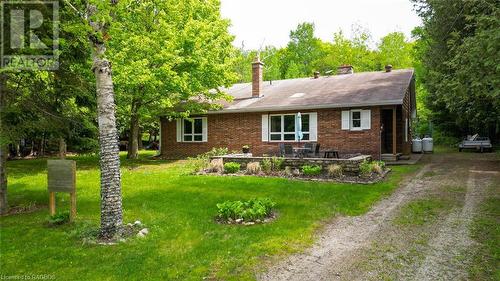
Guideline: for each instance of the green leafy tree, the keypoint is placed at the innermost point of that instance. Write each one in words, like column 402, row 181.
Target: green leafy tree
column 185, row 52
column 460, row 63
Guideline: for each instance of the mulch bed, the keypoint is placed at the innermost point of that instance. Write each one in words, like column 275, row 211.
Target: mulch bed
column 371, row 179
column 272, row 216
column 24, row 209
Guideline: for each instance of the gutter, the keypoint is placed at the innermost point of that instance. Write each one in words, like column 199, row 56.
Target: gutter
column 304, row 107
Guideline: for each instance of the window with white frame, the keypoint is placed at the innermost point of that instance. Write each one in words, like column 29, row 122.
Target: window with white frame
column 192, row 130
column 355, row 119
column 283, row 127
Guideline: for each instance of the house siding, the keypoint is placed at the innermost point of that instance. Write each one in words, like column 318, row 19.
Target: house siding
column 233, row 130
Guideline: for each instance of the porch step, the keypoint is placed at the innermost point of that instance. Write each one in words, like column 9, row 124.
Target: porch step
column 390, row 156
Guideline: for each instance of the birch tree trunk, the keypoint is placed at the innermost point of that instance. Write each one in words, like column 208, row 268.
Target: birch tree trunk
column 111, row 197
column 3, row 148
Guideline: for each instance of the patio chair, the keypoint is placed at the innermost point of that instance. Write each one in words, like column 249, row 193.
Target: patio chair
column 316, row 150
column 281, row 149
column 310, row 147
column 288, row 150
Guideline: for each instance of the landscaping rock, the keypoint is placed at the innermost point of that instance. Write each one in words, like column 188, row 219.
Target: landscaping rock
column 239, row 220
column 140, row 235
column 249, row 223
column 137, row 223
column 144, row 231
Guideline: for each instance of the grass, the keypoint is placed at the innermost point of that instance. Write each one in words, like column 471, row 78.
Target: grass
column 421, row 211
column 179, row 209
column 486, row 231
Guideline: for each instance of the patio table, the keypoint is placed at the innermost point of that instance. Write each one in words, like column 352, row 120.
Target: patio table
column 331, row 154
column 301, row 151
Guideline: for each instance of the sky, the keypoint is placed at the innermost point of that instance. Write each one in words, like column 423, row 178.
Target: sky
column 268, row 22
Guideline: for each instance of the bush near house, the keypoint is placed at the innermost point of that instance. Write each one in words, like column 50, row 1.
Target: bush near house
column 311, row 170
column 202, row 161
column 267, row 165
column 253, row 168
column 335, row 171
column 231, row 167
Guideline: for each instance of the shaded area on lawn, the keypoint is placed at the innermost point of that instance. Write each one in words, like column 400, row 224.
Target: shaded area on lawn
column 179, row 209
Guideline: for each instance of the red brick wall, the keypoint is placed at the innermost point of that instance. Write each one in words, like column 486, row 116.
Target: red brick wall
column 233, row 130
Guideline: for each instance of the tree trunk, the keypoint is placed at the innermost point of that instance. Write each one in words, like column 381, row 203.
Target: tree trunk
column 62, row 148
column 133, row 144
column 111, row 197
column 3, row 151
column 140, row 146
column 42, row 146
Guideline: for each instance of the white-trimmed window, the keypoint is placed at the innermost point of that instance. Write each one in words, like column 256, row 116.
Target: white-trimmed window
column 355, row 119
column 192, row 129
column 282, row 127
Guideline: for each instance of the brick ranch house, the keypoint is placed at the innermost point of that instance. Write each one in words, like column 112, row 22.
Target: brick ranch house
column 368, row 113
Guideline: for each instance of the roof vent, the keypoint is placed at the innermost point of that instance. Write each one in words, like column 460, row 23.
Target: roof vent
column 345, row 69
column 388, row 68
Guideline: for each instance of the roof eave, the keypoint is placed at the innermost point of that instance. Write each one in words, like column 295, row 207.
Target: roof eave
column 306, row 107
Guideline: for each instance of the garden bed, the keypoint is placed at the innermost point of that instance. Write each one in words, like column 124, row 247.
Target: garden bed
column 370, row 179
column 367, row 172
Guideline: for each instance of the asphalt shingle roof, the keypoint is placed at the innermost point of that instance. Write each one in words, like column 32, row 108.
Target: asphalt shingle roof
column 349, row 90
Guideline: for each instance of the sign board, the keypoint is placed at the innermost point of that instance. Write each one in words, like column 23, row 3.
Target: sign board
column 61, row 175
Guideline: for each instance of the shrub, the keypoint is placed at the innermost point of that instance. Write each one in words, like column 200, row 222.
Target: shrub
column 58, row 219
column 335, row 171
column 216, row 166
column 253, row 168
column 277, row 163
column 266, row 165
column 247, row 210
column 365, row 168
column 313, row 170
column 377, row 167
column 202, row 161
column 231, row 167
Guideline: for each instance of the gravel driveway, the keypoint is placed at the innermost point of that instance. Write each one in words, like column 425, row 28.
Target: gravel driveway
column 373, row 246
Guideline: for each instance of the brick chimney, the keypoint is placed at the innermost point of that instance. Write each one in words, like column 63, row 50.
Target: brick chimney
column 345, row 69
column 257, row 67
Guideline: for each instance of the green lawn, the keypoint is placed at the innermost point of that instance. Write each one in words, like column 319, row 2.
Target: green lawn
column 184, row 242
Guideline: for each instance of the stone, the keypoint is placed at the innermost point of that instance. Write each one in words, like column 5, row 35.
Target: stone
column 129, row 225
column 137, row 223
column 239, row 220
column 144, row 231
column 140, row 235
column 295, row 172
column 249, row 223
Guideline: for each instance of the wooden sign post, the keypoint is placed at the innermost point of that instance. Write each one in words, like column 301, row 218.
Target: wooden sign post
column 61, row 177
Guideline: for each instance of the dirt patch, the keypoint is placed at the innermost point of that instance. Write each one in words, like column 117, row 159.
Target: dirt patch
column 374, row 247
